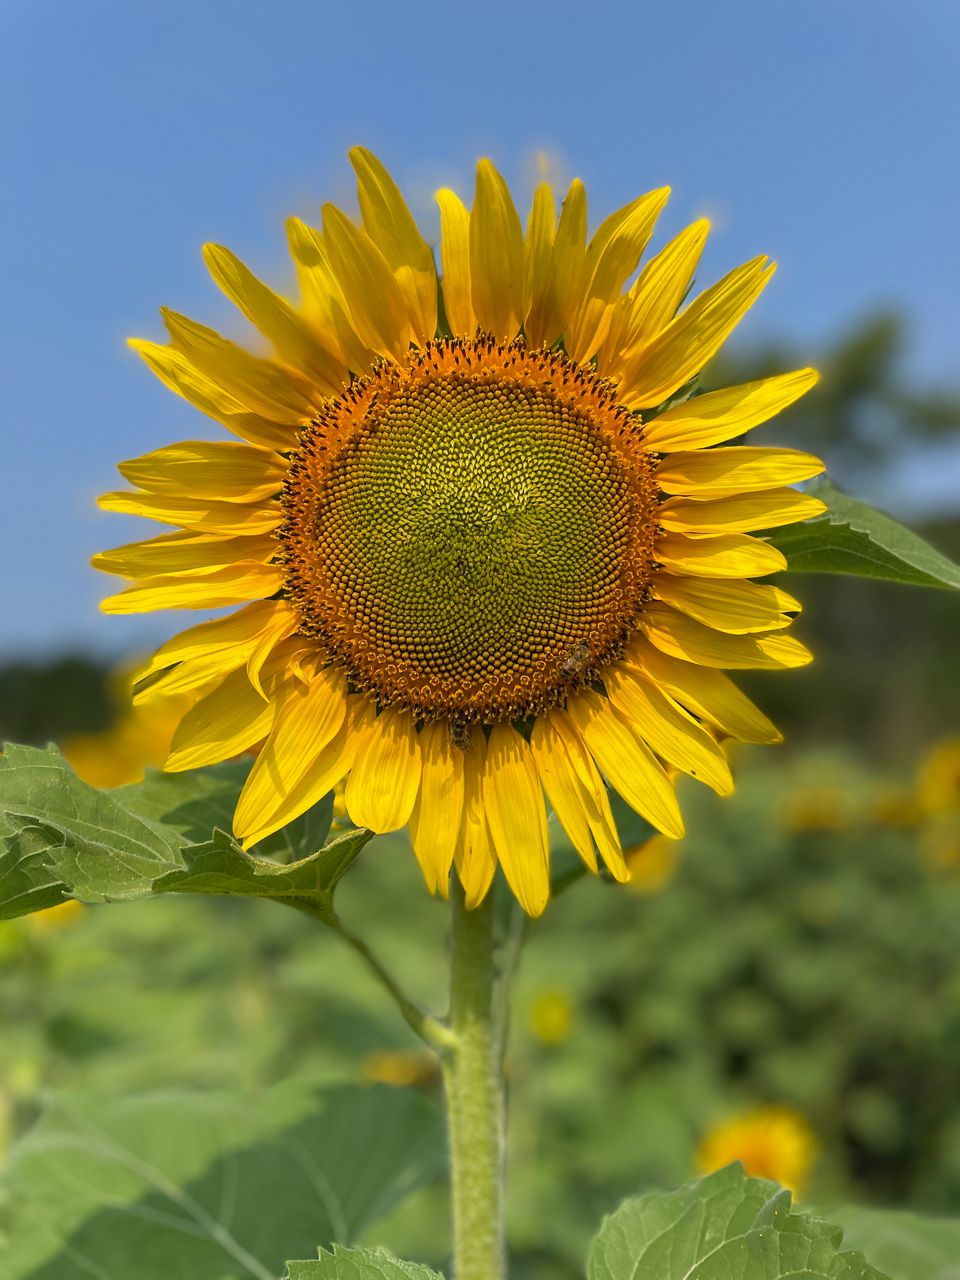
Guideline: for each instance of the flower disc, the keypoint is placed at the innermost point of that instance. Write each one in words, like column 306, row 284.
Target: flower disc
column 471, row 534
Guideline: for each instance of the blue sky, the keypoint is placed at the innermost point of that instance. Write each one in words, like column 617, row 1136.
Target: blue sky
column 822, row 133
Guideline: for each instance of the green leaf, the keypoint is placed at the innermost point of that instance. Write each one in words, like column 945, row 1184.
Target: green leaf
column 910, row 1247
column 61, row 838
column 724, row 1227
column 207, row 1186
column 220, row 866
column 60, row 833
column 359, row 1264
column 852, row 538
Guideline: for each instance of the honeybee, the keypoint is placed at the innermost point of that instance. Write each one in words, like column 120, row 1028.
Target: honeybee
column 461, row 731
column 575, row 663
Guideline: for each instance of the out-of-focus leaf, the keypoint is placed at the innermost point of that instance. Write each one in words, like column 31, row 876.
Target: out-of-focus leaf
column 907, row 1245
column 852, row 538
column 200, row 1185
column 723, row 1227
column 359, row 1264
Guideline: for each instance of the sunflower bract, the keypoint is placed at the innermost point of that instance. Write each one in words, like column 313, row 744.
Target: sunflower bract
column 471, row 569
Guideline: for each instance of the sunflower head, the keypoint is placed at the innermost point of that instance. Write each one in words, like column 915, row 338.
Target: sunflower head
column 478, row 557
column 770, row 1141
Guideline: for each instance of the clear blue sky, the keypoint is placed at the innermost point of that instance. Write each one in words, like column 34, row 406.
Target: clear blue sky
column 823, row 133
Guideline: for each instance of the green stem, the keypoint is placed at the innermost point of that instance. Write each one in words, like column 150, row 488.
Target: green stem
column 433, row 1030
column 474, row 1087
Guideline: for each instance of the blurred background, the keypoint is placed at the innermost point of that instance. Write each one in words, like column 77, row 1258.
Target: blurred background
column 782, row 987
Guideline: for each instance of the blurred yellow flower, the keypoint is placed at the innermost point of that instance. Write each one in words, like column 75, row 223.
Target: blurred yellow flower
column 652, row 864
column 818, row 808
column 551, row 1016
column 139, row 736
column 769, row 1141
column 400, row 1067
column 940, row 842
column 895, row 806
column 54, row 918
column 938, row 777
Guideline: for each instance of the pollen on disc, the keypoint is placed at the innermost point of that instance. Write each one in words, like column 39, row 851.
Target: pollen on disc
column 471, row 533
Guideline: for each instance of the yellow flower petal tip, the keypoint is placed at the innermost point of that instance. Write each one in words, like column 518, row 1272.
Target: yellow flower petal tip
column 474, row 571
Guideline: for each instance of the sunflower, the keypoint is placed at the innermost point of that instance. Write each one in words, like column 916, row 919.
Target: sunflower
column 484, row 551
column 770, row 1141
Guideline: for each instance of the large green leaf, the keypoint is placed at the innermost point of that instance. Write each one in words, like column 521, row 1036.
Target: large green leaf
column 359, row 1264
column 724, row 1227
column 852, row 538
column 208, row 1186
column 907, row 1245
column 61, row 838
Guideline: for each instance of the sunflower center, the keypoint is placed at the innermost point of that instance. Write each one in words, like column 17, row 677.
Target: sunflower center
column 471, row 534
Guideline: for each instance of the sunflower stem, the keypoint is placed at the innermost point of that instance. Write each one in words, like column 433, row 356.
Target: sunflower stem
column 473, row 1079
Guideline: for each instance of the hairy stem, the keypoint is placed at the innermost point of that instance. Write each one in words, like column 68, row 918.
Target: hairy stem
column 474, row 1088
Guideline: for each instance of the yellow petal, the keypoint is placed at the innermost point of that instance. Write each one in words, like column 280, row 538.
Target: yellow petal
column 323, row 300
column 266, row 388
column 496, row 255
column 516, row 816
column 474, row 857
column 683, row 637
column 237, row 630
column 734, row 606
column 192, row 674
column 564, row 789
column 653, row 301
column 585, row 780
column 766, row 510
column 722, row 415
column 391, row 227
column 385, row 778
column 706, row 692
column 455, row 262
column 307, row 721
column 196, row 513
column 181, row 552
column 377, row 307
column 612, row 256
column 627, row 762
column 234, row 584
column 684, row 347
column 176, row 372
column 538, row 264
column 569, row 255
column 672, row 734
column 220, row 470
column 223, row 724
column 731, row 555
column 280, row 628
column 725, row 473
column 328, row 766
column 294, row 340
column 435, row 821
